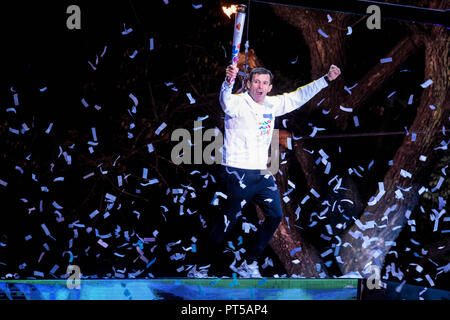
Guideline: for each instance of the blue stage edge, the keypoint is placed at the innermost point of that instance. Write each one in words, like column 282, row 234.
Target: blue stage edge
column 212, row 289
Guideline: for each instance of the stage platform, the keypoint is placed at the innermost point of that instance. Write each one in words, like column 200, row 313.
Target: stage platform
column 182, row 289
column 213, row 289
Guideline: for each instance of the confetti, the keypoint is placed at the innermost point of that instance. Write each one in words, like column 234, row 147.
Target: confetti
column 314, row 192
column 349, row 30
column 324, row 254
column 102, row 243
column 386, row 60
column 438, row 185
column 426, row 83
column 126, row 31
column 49, row 128
column 430, row 281
column 135, row 100
column 92, row 66
column 289, row 143
column 405, row 174
column 151, row 44
column 322, row 33
column 16, row 99
column 191, row 100
column 391, row 94
column 133, row 55
column 346, row 109
column 160, row 128
column 295, row 250
column 379, row 195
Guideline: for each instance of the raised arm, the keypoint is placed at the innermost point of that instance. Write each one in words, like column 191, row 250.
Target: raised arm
column 229, row 101
column 291, row 101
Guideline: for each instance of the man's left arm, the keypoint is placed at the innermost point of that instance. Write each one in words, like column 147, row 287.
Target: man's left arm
column 291, row 101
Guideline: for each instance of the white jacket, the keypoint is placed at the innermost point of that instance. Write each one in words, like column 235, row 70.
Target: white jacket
column 249, row 125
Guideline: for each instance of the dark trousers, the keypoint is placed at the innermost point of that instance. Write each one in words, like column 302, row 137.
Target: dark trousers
column 260, row 188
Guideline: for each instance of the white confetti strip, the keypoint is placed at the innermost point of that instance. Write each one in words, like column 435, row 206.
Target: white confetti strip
column 49, row 128
column 135, row 100
column 426, row 83
column 379, row 195
column 346, row 109
column 126, row 31
column 391, row 94
column 102, row 243
column 322, row 33
column 151, row 44
column 160, row 128
column 289, row 143
column 314, row 192
column 430, row 281
column 16, row 99
column 84, row 102
column 405, row 174
column 133, row 55
column 191, row 100
column 386, row 60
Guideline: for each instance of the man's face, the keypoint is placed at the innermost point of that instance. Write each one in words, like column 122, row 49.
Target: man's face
column 259, row 87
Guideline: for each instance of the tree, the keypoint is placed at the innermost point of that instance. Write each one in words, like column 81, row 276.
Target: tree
column 372, row 244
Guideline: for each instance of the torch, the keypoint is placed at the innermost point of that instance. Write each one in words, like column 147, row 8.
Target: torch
column 238, row 30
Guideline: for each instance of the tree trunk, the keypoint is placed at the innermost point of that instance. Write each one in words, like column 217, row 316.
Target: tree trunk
column 331, row 50
column 375, row 78
column 323, row 51
column 363, row 251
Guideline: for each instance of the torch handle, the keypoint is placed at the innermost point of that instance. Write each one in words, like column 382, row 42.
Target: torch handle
column 237, row 37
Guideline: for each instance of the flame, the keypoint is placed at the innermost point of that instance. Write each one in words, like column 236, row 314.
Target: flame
column 230, row 10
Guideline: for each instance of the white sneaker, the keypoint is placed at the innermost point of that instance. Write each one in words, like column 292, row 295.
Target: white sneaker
column 249, row 270
column 202, row 272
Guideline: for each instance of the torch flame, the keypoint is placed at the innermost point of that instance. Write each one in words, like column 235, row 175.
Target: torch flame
column 230, row 10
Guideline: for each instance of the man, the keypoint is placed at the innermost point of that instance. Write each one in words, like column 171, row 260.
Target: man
column 249, row 124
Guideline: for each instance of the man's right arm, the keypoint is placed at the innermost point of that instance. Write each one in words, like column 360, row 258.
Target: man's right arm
column 228, row 101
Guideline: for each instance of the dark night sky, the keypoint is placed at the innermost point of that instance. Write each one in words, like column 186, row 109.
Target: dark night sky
column 39, row 51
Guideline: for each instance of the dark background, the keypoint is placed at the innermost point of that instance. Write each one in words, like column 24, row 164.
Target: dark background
column 192, row 48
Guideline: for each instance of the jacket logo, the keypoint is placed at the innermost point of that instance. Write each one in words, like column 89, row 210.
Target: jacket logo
column 264, row 127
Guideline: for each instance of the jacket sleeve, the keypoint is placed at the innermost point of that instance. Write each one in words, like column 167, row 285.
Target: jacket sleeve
column 229, row 102
column 291, row 101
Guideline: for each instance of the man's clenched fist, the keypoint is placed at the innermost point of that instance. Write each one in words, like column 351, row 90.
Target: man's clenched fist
column 333, row 73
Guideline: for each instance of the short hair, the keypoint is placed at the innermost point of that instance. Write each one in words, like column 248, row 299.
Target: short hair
column 260, row 71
